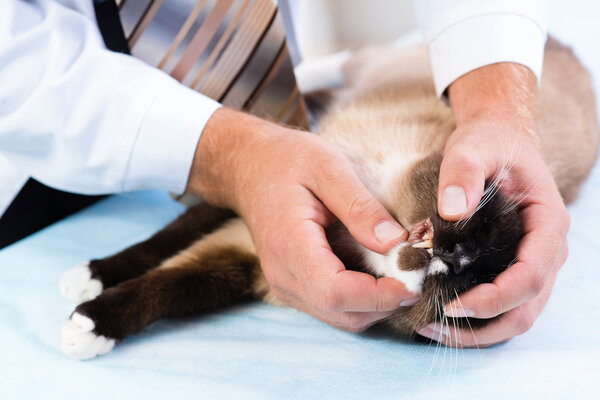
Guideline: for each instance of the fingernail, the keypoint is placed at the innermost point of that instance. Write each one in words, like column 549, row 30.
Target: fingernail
column 459, row 312
column 454, row 201
column 410, row 302
column 439, row 329
column 388, row 231
column 432, row 334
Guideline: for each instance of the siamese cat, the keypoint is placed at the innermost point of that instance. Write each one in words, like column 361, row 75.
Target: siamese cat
column 392, row 127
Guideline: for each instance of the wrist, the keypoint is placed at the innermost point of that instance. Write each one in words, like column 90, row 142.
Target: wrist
column 212, row 175
column 227, row 156
column 494, row 92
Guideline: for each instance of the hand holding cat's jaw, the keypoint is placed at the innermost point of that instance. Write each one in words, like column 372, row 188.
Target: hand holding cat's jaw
column 288, row 186
column 497, row 142
column 521, row 291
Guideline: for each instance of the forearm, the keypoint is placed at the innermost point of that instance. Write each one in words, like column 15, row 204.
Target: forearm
column 495, row 137
column 228, row 153
column 503, row 91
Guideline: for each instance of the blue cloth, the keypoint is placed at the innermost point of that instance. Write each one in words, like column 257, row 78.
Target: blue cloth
column 261, row 351
column 257, row 351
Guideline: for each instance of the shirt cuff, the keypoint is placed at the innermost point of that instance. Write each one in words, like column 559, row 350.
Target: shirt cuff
column 484, row 40
column 166, row 143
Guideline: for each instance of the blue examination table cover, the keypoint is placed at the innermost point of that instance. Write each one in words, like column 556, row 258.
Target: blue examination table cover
column 261, row 351
column 256, row 351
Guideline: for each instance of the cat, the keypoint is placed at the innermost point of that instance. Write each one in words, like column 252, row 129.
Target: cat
column 392, row 127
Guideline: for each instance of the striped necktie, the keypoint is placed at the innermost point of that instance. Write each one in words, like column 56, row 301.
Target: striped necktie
column 233, row 51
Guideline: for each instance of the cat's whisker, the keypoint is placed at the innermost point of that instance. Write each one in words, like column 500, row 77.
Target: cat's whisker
column 437, row 345
column 511, row 263
column 516, row 200
column 445, row 327
column 468, row 323
column 457, row 341
column 490, row 191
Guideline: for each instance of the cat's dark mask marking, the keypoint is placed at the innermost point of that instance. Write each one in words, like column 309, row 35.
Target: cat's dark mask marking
column 477, row 249
column 473, row 251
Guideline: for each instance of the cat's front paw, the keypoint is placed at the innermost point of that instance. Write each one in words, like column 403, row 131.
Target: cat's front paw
column 77, row 284
column 78, row 340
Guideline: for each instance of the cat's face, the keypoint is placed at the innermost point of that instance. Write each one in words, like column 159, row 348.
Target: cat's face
column 462, row 254
column 477, row 249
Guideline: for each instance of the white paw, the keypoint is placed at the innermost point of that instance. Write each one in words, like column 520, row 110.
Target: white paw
column 77, row 284
column 78, row 341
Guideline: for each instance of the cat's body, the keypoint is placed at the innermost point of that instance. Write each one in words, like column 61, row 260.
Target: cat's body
column 392, row 128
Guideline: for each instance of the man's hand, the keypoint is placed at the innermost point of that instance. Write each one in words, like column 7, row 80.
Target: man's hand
column 494, row 112
column 288, row 185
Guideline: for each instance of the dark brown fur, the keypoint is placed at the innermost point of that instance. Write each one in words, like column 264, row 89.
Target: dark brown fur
column 216, row 279
column 178, row 235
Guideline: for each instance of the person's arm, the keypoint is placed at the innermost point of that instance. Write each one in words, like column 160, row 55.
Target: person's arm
column 488, row 60
column 80, row 118
column 288, row 185
column 495, row 134
column 463, row 35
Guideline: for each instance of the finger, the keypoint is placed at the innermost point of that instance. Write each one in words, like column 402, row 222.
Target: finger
column 331, row 288
column 461, row 183
column 358, row 321
column 347, row 321
column 342, row 192
column 541, row 252
column 357, row 291
column 454, row 337
column 514, row 323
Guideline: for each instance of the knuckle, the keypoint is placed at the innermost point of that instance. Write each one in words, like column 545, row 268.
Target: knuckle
column 332, row 301
column 362, row 207
column 523, row 323
column 537, row 282
column 462, row 157
column 565, row 254
column 381, row 304
column 352, row 323
column 565, row 222
column 498, row 306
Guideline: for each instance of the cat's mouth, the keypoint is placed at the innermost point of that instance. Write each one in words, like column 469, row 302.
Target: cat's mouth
column 421, row 236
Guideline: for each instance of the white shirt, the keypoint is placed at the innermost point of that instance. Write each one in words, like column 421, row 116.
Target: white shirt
column 80, row 118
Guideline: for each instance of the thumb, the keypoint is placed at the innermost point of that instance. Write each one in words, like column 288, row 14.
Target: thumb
column 461, row 184
column 342, row 192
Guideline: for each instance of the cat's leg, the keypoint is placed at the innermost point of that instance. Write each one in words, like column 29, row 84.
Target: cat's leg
column 216, row 271
column 87, row 280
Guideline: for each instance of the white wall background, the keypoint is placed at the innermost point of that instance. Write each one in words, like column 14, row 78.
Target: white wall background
column 326, row 26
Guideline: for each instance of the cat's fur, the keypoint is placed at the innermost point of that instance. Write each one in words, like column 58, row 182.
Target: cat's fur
column 392, row 128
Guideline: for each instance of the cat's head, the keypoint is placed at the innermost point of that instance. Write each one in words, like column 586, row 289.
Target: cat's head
column 477, row 249
column 456, row 256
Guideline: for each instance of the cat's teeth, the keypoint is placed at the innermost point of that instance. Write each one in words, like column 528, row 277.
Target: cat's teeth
column 430, row 251
column 426, row 244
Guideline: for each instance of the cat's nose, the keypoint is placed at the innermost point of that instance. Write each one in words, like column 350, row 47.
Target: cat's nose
column 457, row 260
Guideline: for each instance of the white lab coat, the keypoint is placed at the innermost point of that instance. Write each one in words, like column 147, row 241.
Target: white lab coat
column 80, row 118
